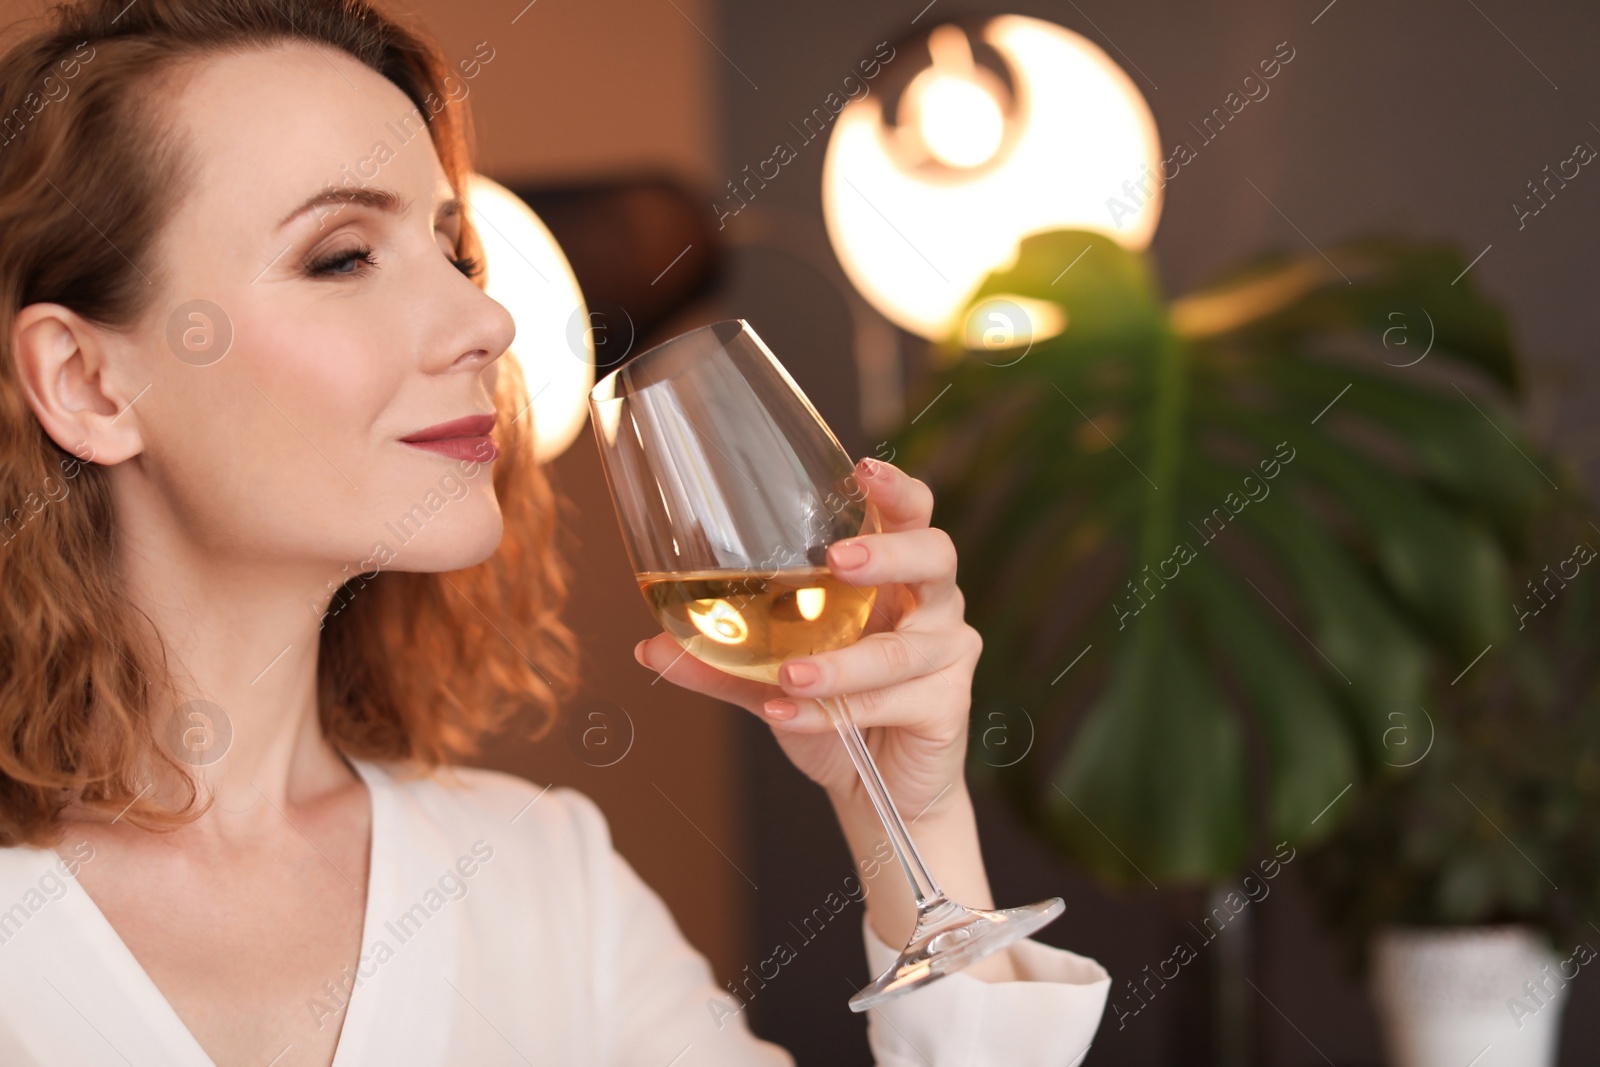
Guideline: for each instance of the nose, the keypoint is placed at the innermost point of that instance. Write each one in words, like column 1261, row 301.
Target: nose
column 475, row 328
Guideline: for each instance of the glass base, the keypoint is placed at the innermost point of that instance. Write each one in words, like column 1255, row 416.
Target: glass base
column 949, row 937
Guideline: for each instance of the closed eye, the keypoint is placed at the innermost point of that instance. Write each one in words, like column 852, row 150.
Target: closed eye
column 337, row 263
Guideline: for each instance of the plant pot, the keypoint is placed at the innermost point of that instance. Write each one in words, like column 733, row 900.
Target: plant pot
column 1488, row 996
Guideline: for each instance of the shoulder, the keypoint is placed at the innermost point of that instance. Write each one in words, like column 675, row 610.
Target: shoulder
column 472, row 803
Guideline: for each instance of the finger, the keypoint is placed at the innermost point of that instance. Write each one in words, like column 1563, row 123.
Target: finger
column 903, row 502
column 924, row 560
column 674, row 663
column 906, row 705
column 881, row 660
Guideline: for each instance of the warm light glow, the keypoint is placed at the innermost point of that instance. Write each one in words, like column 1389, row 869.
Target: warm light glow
column 719, row 620
column 526, row 271
column 810, row 601
column 1007, row 320
column 959, row 120
column 917, row 233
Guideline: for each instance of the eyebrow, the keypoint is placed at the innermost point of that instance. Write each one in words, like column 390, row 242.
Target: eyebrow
column 384, row 200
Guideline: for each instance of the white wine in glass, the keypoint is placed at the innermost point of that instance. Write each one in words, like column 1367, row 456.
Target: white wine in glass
column 730, row 488
column 748, row 622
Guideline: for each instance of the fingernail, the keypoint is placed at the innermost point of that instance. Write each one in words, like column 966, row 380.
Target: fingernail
column 849, row 554
column 869, row 468
column 780, row 709
column 799, row 674
column 638, row 653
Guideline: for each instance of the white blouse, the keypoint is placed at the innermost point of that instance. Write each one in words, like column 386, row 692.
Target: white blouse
column 503, row 928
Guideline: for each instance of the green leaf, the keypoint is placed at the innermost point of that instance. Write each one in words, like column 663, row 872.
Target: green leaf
column 1446, row 567
column 1069, row 471
column 1443, row 431
column 1377, row 662
column 1155, row 781
column 1312, row 757
column 1110, row 296
column 1388, row 290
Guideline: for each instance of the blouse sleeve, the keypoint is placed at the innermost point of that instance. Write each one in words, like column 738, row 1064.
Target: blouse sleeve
column 1046, row 1019
column 665, row 1006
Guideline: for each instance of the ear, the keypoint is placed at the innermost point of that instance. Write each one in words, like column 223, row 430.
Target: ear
column 75, row 387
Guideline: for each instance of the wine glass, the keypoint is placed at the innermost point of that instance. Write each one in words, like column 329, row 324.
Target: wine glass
column 730, row 488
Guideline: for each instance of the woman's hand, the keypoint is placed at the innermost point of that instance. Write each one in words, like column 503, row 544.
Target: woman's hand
column 909, row 678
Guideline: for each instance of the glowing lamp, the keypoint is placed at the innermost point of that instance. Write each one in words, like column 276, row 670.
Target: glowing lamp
column 525, row 270
column 1008, row 126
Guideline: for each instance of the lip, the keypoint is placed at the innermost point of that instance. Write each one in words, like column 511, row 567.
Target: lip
column 466, row 438
column 466, row 426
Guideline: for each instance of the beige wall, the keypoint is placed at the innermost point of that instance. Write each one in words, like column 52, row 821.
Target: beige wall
column 575, row 88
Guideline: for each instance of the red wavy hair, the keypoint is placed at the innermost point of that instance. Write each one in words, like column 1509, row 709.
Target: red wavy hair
column 416, row 668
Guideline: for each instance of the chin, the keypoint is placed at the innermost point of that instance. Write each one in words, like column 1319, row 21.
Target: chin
column 458, row 537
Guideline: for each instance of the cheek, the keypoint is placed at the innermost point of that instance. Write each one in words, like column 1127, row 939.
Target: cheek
column 287, row 447
column 317, row 392
column 276, row 441
column 340, row 378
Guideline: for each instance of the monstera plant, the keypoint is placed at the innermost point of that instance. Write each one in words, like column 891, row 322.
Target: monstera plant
column 1219, row 548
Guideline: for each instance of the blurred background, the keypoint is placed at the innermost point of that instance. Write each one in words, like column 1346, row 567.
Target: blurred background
column 632, row 128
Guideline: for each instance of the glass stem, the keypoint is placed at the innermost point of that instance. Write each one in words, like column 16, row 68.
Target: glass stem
column 927, row 892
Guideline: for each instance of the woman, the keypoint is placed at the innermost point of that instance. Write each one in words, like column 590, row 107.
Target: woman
column 233, row 285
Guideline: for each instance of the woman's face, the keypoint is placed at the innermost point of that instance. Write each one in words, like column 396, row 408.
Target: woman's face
column 351, row 329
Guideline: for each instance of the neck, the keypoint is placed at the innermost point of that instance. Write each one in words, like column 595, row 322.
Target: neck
column 241, row 637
